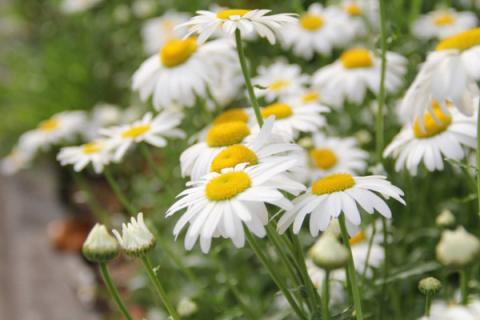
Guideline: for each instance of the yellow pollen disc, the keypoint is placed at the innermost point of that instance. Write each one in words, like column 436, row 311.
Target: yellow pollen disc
column 226, row 14
column 356, row 58
column 432, row 126
column 279, row 110
column 461, row 41
column 136, row 131
column 235, row 114
column 91, row 148
column 278, row 85
column 177, row 51
column 358, row 238
column 353, row 9
column 49, row 125
column 233, row 155
column 311, row 96
column 333, row 183
column 311, row 22
column 227, row 134
column 323, row 158
column 444, row 20
column 227, row 186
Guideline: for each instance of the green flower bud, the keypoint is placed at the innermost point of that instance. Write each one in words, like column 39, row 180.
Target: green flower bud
column 429, row 286
column 100, row 246
column 445, row 219
column 457, row 249
column 328, row 253
column 186, row 307
column 136, row 239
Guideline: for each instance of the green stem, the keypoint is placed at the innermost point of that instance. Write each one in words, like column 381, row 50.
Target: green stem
column 326, row 296
column 151, row 162
column 100, row 214
column 159, row 289
column 119, row 193
column 464, row 286
column 416, row 6
column 273, row 274
column 369, row 251
column 428, row 303
column 246, row 77
column 379, row 130
column 386, row 264
column 113, row 291
column 478, row 159
column 357, row 303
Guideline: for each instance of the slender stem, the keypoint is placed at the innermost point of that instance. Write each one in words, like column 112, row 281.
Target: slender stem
column 416, row 6
column 100, row 213
column 428, row 303
column 386, row 264
column 369, row 250
column 464, row 286
column 381, row 95
column 151, row 162
column 326, row 296
column 159, row 289
column 357, row 303
column 119, row 193
column 113, row 291
column 478, row 159
column 273, row 274
column 246, row 77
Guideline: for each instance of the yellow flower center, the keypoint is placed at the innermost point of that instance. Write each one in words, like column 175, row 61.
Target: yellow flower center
column 311, row 96
column 236, row 114
column 432, row 126
column 358, row 238
column 177, row 51
column 279, row 110
column 323, row 158
column 278, row 85
column 227, row 134
column 461, row 41
column 226, row 14
column 311, row 22
column 356, row 58
column 233, row 155
column 91, row 148
column 136, row 131
column 353, row 9
column 444, row 19
column 227, row 186
column 49, row 125
column 333, row 183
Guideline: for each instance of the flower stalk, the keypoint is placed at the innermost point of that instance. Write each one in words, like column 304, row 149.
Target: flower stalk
column 326, row 296
column 119, row 193
column 107, row 279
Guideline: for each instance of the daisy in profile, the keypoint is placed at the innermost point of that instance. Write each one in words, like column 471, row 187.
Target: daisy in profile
column 291, row 119
column 338, row 193
column 61, row 127
column 357, row 71
column 182, row 71
column 96, row 152
column 15, row 161
column 222, row 204
column 150, row 129
column 207, row 23
column 443, row 23
column 76, row 6
column 331, row 154
column 435, row 137
column 279, row 80
column 156, row 32
column 449, row 74
column 361, row 12
column 318, row 30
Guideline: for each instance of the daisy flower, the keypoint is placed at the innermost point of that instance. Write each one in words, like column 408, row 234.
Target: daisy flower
column 357, row 71
column 15, row 161
column 360, row 12
column 279, row 80
column 96, row 152
column 331, row 154
column 156, row 32
column 443, row 135
column 319, row 30
column 443, row 23
column 152, row 130
column 442, row 310
column 448, row 74
column 206, row 23
column 291, row 119
column 222, row 204
column 339, row 193
column 75, row 6
column 62, row 127
column 182, row 71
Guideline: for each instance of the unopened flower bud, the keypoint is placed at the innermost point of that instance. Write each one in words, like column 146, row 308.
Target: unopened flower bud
column 457, row 249
column 445, row 219
column 186, row 307
column 135, row 239
column 429, row 286
column 328, row 253
column 306, row 142
column 333, row 228
column 100, row 246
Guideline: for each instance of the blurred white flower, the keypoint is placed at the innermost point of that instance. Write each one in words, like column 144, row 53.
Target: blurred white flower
column 443, row 23
column 442, row 310
column 15, row 161
column 361, row 12
column 143, row 8
column 96, row 152
column 458, row 248
column 135, row 238
column 75, row 6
